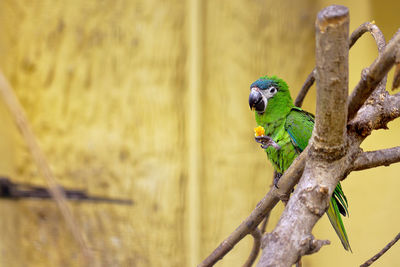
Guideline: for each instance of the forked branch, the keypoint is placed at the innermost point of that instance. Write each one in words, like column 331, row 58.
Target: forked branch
column 375, row 117
column 373, row 76
column 363, row 28
column 256, row 248
column 292, row 238
column 285, row 185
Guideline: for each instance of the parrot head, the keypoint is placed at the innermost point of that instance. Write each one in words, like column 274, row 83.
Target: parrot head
column 267, row 91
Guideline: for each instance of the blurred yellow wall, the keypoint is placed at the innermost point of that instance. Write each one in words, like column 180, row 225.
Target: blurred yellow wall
column 105, row 87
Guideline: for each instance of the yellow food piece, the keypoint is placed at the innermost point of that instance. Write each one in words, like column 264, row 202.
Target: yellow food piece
column 259, row 131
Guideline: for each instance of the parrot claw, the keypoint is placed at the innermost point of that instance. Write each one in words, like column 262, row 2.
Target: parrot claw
column 266, row 142
column 277, row 176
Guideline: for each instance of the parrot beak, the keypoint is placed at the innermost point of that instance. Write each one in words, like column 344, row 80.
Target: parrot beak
column 256, row 100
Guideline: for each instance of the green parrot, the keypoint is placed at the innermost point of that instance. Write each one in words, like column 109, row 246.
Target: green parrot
column 290, row 128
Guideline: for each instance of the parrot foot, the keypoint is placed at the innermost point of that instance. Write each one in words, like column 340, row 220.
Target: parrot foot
column 277, row 176
column 266, row 142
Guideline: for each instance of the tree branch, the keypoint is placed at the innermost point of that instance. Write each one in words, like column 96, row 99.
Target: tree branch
column 363, row 28
column 292, row 237
column 309, row 192
column 376, row 114
column 299, row 263
column 373, row 75
column 377, row 158
column 375, row 32
column 332, row 80
column 396, row 76
column 18, row 114
column 287, row 182
column 380, row 253
column 245, row 228
column 256, row 248
column 305, row 88
column 265, row 223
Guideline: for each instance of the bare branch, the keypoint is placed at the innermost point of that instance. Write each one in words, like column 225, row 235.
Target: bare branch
column 380, row 43
column 17, row 111
column 376, row 114
column 315, row 245
column 292, row 237
column 396, row 77
column 311, row 195
column 375, row 32
column 266, row 219
column 373, row 159
column 332, row 81
column 256, row 248
column 305, row 88
column 287, row 182
column 373, row 75
column 363, row 28
column 380, row 253
column 265, row 223
column 245, row 228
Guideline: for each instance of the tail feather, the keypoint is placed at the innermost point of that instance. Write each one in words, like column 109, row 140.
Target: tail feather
column 335, row 218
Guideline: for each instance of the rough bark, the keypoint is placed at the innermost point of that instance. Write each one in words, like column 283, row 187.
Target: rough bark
column 363, row 28
column 373, row 159
column 292, row 237
column 285, row 186
column 373, row 76
column 334, row 150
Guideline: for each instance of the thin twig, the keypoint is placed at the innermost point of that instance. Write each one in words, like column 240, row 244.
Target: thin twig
column 265, row 223
column 371, row 28
column 373, row 159
column 305, row 88
column 256, row 248
column 55, row 190
column 380, row 253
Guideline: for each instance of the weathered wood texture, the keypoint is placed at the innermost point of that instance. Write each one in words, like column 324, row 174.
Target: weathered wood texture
column 105, row 87
column 102, row 84
column 372, row 222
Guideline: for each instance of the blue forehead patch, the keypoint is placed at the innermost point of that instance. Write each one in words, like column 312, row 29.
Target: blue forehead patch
column 264, row 84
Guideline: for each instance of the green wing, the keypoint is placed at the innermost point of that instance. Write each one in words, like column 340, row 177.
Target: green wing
column 299, row 124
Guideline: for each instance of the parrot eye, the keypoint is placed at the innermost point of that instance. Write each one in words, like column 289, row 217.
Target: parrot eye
column 272, row 90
